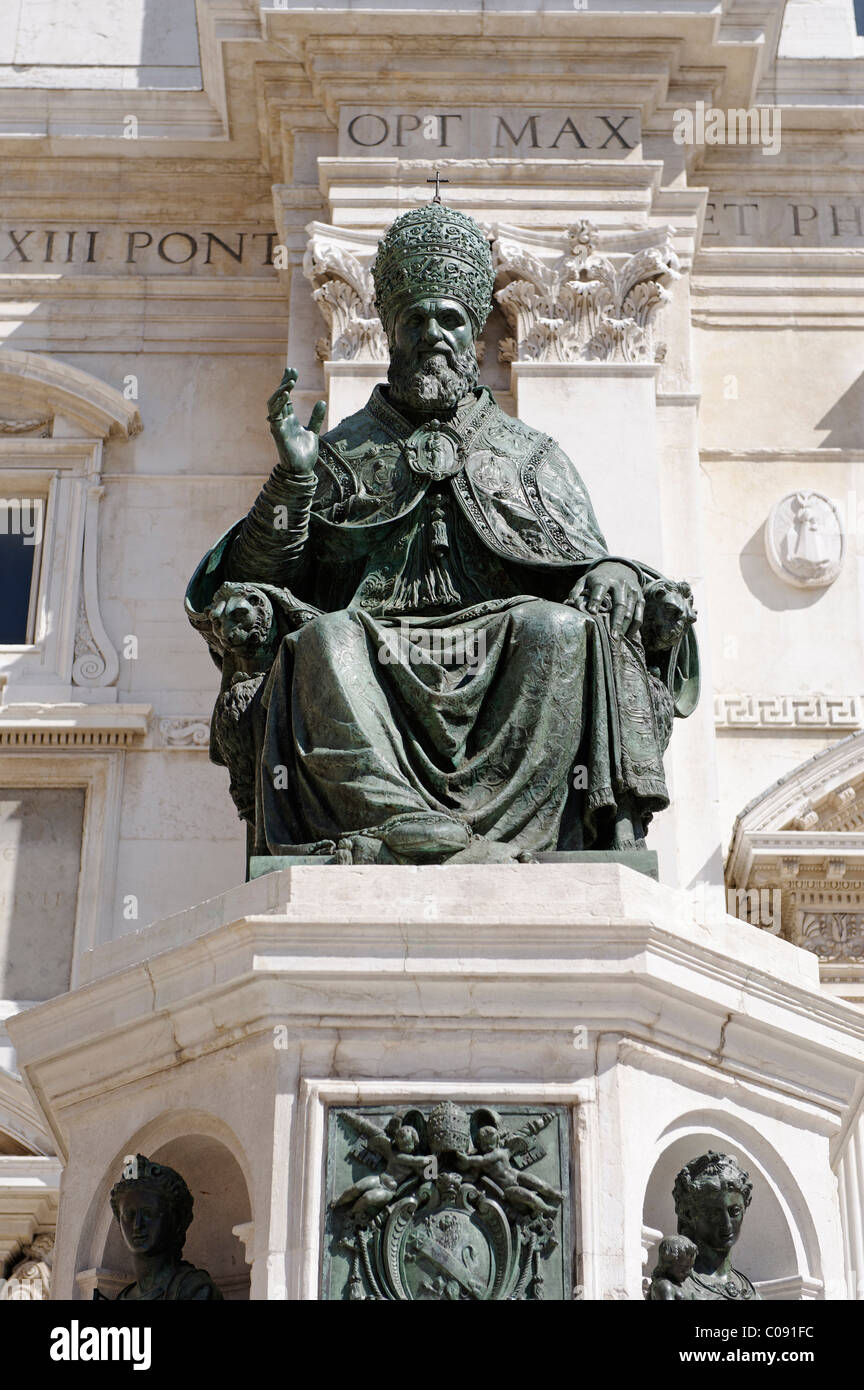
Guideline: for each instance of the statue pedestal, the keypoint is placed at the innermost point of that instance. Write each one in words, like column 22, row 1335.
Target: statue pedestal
column 216, row 1040
column 644, row 861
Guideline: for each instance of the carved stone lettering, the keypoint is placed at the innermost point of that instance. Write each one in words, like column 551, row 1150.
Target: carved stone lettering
column 137, row 250
column 507, row 132
column 808, row 220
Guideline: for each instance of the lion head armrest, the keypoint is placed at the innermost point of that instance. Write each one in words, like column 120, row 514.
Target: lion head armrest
column 670, row 642
column 243, row 625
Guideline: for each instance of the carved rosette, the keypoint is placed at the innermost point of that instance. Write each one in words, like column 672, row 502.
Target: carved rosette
column 580, row 305
column 338, row 266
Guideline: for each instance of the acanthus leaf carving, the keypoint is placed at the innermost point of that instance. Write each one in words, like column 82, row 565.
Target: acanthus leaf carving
column 338, row 266
column 582, row 305
column 833, row 936
column 185, row 731
column 88, row 665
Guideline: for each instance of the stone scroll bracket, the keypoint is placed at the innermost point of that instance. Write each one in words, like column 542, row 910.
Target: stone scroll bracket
column 96, row 663
column 581, row 295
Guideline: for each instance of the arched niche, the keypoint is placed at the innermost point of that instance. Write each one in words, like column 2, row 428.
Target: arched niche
column 209, row 1158
column 778, row 1245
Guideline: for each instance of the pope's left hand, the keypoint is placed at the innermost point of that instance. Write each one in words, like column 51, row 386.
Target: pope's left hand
column 614, row 587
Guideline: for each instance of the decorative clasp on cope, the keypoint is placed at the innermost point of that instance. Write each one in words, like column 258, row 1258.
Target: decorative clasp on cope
column 435, row 451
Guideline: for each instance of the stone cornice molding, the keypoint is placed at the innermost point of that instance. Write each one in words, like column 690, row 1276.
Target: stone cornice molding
column 90, row 726
column 35, row 380
column 776, row 286
column 265, row 951
column 624, row 199
column 398, row 181
column 18, row 1116
column 579, row 296
column 808, row 261
column 844, row 456
column 269, row 73
column 636, row 53
column 228, row 315
column 92, row 116
column 29, row 1198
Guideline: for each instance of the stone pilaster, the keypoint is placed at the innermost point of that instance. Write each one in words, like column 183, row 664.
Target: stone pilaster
column 354, row 354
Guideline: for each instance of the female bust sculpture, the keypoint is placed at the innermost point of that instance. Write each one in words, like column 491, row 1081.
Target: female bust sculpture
column 711, row 1195
column 153, row 1207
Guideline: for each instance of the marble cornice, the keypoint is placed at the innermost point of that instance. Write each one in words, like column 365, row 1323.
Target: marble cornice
column 778, row 286
column 269, row 73
column 46, row 381
column 844, row 456
column 217, row 313
column 812, row 261
column 84, row 726
column 547, row 193
column 225, row 973
column 433, row 48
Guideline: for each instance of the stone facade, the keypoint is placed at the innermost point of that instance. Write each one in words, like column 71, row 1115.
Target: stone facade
column 193, row 192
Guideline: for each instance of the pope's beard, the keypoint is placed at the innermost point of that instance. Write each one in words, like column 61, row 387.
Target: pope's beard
column 434, row 381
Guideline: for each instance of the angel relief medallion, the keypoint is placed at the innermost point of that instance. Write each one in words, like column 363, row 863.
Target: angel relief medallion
column 804, row 540
column 445, row 1202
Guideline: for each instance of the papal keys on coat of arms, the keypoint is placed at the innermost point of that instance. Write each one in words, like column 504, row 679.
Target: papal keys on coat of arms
column 447, row 1203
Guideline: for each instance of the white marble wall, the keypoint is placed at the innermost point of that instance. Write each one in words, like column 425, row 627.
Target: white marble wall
column 318, row 986
column 99, row 43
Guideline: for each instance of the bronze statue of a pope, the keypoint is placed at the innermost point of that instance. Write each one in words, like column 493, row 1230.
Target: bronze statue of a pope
column 427, row 652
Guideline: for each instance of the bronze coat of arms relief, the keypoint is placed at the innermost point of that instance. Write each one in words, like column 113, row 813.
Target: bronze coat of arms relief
column 447, row 1202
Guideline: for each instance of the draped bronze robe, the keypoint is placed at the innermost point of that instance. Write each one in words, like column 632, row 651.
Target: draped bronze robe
column 442, row 671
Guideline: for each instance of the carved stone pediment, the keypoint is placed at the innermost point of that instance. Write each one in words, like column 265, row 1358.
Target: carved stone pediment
column 797, row 862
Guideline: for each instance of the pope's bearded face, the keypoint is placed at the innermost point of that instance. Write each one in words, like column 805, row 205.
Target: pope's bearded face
column 433, row 365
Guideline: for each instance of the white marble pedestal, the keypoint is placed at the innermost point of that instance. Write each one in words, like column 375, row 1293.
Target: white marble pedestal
column 215, row 1040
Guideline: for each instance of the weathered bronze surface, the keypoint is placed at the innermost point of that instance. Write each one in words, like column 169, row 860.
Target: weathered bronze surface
column 711, row 1196
column 459, row 671
column 153, row 1207
column 447, row 1203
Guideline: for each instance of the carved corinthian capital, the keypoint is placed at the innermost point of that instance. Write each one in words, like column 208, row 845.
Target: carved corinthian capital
column 568, row 301
column 337, row 263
